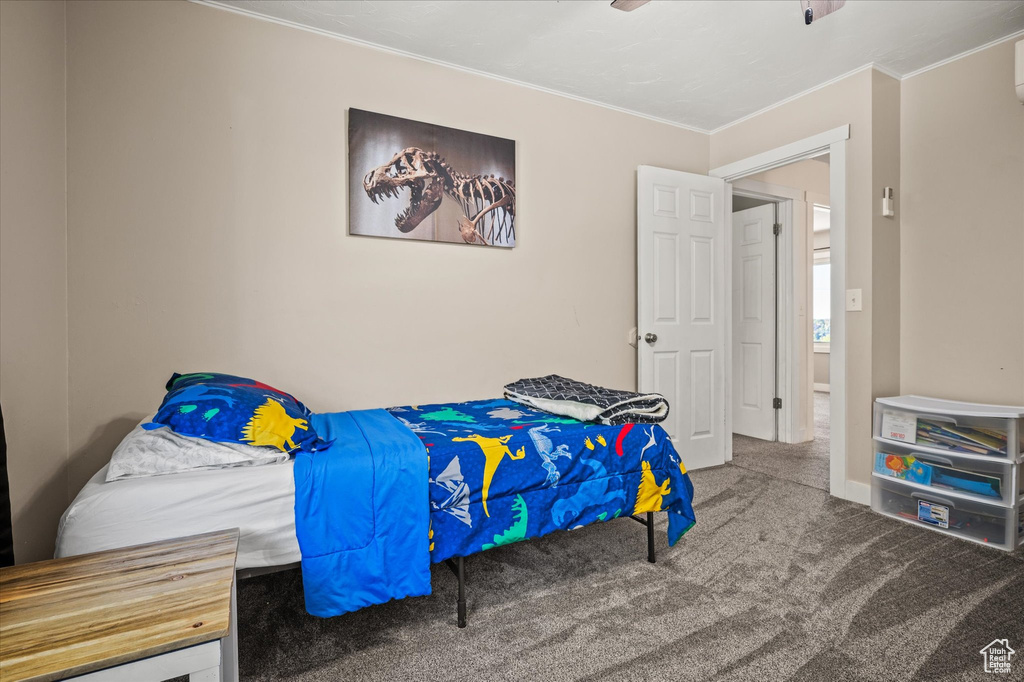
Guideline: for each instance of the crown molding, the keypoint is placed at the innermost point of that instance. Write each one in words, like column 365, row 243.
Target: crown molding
column 886, row 70
column 968, row 53
column 215, row 4
column 877, row 67
column 831, row 81
column 438, row 62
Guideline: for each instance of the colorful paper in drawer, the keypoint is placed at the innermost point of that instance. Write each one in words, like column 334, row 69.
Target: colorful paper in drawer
column 908, row 468
column 903, row 467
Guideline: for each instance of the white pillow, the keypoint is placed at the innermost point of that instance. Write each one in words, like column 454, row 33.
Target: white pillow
column 162, row 451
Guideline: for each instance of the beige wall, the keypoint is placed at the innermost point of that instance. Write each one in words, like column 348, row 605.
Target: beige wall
column 821, row 368
column 885, row 248
column 33, row 286
column 810, row 175
column 962, row 142
column 208, row 224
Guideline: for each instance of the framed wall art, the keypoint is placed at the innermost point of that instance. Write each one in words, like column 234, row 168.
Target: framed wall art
column 416, row 180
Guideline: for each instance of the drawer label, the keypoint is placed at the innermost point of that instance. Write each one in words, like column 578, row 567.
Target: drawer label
column 899, row 426
column 935, row 514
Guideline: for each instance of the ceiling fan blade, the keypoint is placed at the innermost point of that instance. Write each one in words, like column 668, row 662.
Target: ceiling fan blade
column 628, row 5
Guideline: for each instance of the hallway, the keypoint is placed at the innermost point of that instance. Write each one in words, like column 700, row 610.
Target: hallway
column 804, row 463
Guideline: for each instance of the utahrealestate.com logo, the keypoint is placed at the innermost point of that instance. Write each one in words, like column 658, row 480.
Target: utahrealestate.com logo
column 997, row 656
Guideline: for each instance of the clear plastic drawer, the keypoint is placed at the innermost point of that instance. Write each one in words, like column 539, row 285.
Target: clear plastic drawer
column 968, row 519
column 980, row 478
column 959, row 434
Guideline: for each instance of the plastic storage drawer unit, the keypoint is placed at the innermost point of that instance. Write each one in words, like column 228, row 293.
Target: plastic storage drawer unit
column 951, row 467
column 987, row 524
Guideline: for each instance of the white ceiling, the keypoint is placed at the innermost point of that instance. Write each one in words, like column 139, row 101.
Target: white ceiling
column 698, row 64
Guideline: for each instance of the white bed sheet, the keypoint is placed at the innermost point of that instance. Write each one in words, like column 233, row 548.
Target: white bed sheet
column 259, row 501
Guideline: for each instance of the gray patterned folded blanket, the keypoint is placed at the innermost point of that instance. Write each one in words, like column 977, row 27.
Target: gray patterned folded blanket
column 586, row 402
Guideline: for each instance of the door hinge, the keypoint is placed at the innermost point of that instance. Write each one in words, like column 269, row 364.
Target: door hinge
column 777, row 403
column 777, row 229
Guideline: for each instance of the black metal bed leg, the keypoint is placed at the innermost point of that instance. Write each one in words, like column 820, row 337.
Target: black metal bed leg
column 462, row 592
column 650, row 537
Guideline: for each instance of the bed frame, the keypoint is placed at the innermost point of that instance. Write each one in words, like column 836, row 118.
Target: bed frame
column 457, row 566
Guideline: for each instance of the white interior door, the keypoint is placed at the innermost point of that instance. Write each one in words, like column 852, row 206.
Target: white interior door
column 681, row 306
column 753, row 322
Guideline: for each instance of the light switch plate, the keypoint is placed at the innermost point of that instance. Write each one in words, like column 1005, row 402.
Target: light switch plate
column 854, row 302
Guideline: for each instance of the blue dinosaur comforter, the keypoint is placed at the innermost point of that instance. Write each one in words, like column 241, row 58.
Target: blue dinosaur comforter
column 361, row 513
column 372, row 513
column 501, row 472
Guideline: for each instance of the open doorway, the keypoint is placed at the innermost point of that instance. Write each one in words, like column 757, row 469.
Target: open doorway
column 781, row 322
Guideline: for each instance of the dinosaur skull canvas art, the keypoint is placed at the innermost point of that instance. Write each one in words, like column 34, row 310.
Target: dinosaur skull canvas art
column 413, row 170
column 487, row 203
column 415, row 180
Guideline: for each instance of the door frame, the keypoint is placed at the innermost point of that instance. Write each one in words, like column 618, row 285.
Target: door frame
column 833, row 143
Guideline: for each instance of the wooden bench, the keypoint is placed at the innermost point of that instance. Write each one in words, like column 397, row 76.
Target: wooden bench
column 143, row 613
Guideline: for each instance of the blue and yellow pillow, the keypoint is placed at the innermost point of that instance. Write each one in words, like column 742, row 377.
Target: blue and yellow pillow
column 230, row 409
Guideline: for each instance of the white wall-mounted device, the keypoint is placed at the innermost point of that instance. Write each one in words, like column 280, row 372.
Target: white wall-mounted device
column 1019, row 69
column 854, row 300
column 887, row 208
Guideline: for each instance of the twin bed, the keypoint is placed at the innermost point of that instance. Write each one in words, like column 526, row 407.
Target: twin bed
column 496, row 472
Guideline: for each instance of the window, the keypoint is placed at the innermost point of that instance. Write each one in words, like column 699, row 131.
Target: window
column 821, row 302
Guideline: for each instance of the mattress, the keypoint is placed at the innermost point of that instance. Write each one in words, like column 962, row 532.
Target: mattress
column 499, row 472
column 259, row 501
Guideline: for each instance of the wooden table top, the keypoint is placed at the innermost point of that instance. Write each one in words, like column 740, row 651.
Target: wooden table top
column 70, row 616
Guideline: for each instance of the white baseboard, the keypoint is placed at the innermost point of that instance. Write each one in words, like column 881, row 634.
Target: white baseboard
column 824, row 388
column 858, row 492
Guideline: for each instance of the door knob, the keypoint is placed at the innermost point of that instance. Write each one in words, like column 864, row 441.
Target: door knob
column 650, row 338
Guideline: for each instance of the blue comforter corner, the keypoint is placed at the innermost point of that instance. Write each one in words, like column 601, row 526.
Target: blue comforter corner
column 362, row 513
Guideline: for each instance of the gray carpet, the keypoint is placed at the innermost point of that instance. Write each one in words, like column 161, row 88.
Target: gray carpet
column 777, row 581
column 804, row 463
